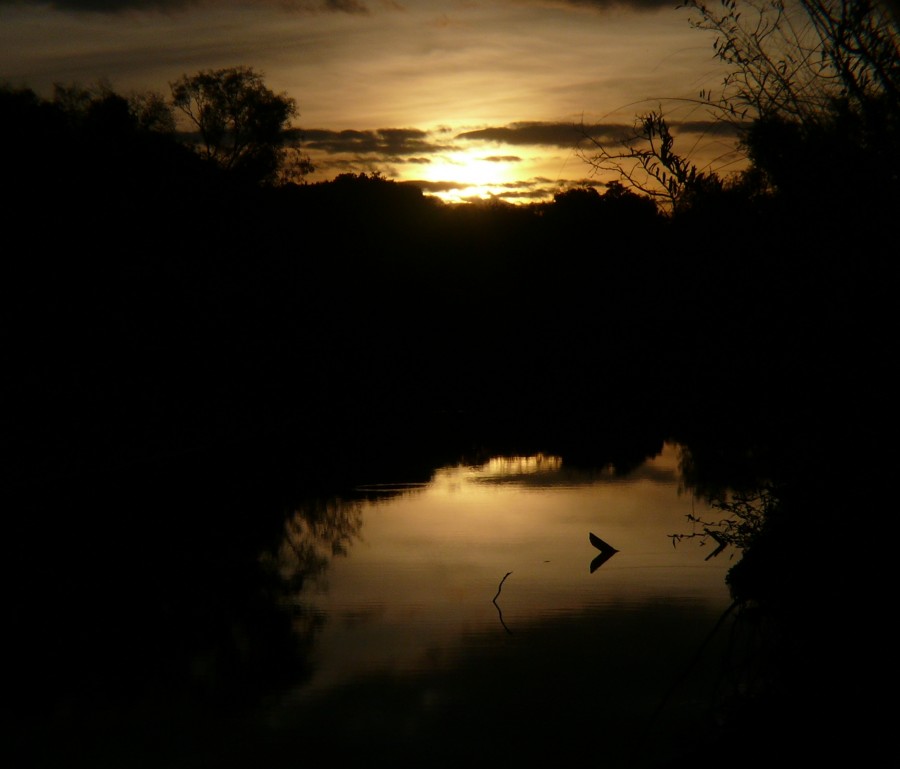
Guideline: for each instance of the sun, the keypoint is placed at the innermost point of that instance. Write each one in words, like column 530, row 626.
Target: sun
column 475, row 174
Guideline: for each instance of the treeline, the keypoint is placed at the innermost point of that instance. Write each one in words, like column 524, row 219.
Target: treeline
column 159, row 302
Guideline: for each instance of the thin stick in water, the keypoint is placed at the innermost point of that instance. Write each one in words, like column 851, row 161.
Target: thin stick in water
column 500, row 587
column 499, row 611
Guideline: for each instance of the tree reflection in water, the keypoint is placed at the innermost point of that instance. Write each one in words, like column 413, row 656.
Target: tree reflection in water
column 167, row 632
column 314, row 534
column 805, row 662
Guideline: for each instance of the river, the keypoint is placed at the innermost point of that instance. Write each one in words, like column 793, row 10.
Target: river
column 468, row 615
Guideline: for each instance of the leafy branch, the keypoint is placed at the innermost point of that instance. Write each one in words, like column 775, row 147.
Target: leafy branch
column 796, row 60
column 744, row 515
column 647, row 162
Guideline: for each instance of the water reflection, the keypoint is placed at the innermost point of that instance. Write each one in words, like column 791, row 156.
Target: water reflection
column 607, row 551
column 456, row 620
column 313, row 535
column 420, row 652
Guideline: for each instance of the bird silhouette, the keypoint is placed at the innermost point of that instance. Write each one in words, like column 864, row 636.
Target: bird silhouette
column 607, row 551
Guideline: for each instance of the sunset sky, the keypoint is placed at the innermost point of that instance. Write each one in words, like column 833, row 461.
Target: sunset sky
column 471, row 98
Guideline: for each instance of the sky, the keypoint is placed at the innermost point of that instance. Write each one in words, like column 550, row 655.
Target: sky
column 471, row 99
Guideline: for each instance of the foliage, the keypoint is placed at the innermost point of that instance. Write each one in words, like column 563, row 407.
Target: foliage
column 744, row 515
column 243, row 126
column 815, row 81
column 294, row 165
column 98, row 110
column 584, row 204
column 313, row 536
column 152, row 112
column 75, row 99
column 647, row 162
column 808, row 83
column 796, row 60
column 142, row 110
column 577, row 197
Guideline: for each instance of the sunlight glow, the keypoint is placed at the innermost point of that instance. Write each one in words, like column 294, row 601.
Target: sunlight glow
column 521, row 465
column 477, row 175
column 464, row 478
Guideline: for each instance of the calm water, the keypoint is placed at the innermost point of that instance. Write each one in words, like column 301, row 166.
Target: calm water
column 460, row 620
column 464, row 621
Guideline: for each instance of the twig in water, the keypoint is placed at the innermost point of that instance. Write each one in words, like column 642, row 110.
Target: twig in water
column 501, row 585
column 499, row 588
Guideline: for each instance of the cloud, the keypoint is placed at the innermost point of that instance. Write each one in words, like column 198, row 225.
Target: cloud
column 340, row 6
column 503, row 159
column 565, row 135
column 433, row 187
column 708, row 127
column 107, row 6
column 568, row 135
column 355, row 7
column 605, row 5
column 388, row 142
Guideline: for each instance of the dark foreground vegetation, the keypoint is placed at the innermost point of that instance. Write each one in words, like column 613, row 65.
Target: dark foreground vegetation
column 156, row 300
column 169, row 315
column 158, row 303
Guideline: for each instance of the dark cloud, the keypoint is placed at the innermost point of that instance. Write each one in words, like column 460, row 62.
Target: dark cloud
column 605, row 5
column 353, row 7
column 709, row 128
column 537, row 193
column 387, row 142
column 308, row 6
column 433, row 187
column 525, row 183
column 566, row 135
column 120, row 6
column 570, row 135
column 107, row 6
column 403, row 142
column 530, row 190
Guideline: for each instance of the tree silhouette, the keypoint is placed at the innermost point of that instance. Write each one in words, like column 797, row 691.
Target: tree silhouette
column 799, row 61
column 808, row 83
column 647, row 162
column 814, row 82
column 242, row 125
column 152, row 112
column 146, row 110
